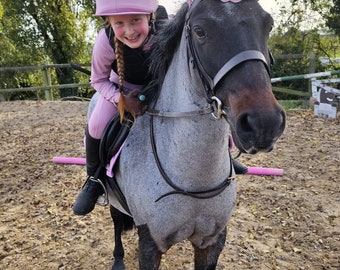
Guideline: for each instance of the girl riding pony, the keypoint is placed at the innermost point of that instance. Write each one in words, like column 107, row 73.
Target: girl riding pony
column 119, row 70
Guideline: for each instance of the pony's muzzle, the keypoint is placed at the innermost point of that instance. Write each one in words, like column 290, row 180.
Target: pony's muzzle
column 258, row 131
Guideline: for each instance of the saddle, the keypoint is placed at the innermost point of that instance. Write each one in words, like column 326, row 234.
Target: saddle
column 113, row 138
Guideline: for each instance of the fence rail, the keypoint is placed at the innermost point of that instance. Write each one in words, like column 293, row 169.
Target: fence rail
column 291, row 92
column 306, row 76
column 37, row 88
column 47, row 87
column 46, row 74
column 42, row 67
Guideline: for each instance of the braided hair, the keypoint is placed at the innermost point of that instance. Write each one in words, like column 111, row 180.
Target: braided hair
column 120, row 69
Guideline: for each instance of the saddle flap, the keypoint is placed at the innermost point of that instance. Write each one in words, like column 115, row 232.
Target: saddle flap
column 114, row 136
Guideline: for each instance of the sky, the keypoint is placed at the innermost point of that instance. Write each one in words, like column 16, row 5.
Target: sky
column 170, row 5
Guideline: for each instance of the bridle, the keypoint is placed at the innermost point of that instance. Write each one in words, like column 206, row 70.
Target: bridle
column 215, row 107
column 210, row 83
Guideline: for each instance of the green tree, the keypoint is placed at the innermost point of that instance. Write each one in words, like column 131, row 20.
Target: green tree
column 305, row 14
column 310, row 14
column 300, row 30
column 333, row 18
column 290, row 47
column 47, row 30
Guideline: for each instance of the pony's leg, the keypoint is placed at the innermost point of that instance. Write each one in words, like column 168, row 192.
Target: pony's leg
column 206, row 259
column 121, row 223
column 149, row 254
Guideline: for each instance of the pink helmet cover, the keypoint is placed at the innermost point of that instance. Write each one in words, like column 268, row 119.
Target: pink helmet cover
column 121, row 7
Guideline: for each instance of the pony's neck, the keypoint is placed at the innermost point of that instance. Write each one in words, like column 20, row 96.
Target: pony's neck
column 182, row 92
column 181, row 89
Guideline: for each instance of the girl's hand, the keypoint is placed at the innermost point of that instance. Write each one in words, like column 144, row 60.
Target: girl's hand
column 133, row 104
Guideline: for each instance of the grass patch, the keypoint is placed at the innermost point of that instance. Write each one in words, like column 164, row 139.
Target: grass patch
column 294, row 104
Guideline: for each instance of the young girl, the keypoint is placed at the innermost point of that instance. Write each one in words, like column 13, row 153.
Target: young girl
column 119, row 70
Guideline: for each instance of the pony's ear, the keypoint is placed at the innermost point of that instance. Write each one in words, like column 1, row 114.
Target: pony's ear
column 190, row 2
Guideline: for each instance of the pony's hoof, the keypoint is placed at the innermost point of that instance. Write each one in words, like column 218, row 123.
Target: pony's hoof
column 118, row 265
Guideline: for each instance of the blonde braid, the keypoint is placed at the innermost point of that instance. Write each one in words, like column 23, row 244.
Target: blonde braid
column 120, row 70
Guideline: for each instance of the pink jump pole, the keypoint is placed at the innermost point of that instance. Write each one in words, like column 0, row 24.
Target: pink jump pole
column 265, row 171
column 69, row 160
column 251, row 170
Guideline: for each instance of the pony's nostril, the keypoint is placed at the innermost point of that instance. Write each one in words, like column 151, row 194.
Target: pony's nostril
column 283, row 120
column 244, row 123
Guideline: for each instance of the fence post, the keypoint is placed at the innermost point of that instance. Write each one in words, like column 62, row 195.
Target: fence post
column 47, row 81
column 311, row 70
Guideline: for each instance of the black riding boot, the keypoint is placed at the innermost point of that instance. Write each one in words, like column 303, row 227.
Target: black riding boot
column 239, row 167
column 92, row 189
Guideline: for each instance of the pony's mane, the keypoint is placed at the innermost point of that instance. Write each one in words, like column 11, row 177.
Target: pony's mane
column 164, row 46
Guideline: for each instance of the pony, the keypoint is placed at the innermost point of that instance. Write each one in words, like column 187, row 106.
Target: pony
column 175, row 179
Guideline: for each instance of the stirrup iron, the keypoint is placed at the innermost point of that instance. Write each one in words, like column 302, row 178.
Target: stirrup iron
column 103, row 199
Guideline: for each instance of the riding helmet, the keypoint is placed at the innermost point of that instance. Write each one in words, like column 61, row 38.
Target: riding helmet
column 121, row 7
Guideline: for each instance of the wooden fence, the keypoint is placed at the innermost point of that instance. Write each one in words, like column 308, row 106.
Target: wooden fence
column 47, row 82
column 47, row 86
column 299, row 77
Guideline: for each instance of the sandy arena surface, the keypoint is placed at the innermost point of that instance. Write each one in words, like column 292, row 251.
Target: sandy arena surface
column 288, row 222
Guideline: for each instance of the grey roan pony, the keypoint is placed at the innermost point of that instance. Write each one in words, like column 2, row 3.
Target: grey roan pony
column 212, row 67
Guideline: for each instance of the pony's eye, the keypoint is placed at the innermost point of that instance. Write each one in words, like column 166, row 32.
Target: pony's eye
column 200, row 33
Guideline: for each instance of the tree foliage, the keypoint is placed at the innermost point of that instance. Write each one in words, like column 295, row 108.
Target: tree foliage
column 301, row 33
column 308, row 14
column 36, row 31
column 62, row 31
column 333, row 18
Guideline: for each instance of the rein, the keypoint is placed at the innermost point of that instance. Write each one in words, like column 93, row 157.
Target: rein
column 215, row 107
column 205, row 194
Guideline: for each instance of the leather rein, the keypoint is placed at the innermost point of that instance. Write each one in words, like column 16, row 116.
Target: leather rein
column 214, row 107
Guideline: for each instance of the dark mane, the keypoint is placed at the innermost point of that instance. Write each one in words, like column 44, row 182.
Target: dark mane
column 164, row 46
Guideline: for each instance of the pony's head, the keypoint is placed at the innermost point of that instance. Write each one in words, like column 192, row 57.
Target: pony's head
column 228, row 40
